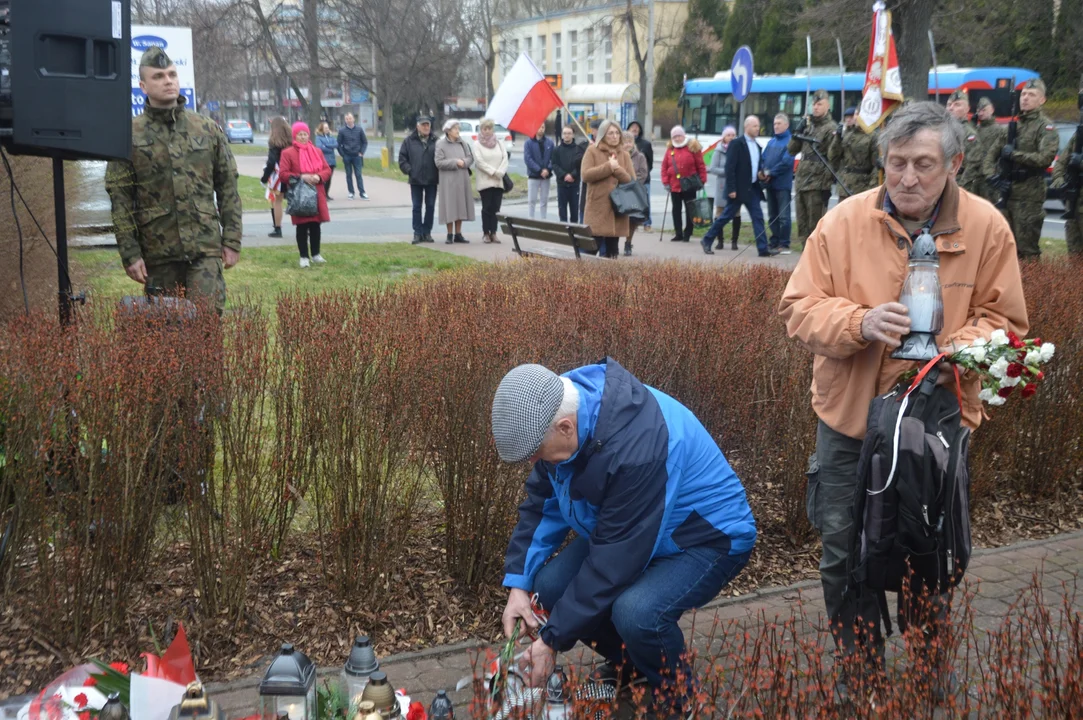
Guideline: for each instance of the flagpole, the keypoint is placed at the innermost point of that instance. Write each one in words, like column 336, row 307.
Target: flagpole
column 842, row 77
column 808, row 74
column 936, row 71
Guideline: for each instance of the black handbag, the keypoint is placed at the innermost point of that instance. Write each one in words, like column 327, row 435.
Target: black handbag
column 691, row 183
column 630, row 200
column 509, row 185
column 302, row 199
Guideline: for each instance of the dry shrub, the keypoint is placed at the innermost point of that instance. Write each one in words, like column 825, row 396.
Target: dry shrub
column 34, row 179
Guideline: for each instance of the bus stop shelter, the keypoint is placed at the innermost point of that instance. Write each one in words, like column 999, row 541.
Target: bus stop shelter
column 617, row 101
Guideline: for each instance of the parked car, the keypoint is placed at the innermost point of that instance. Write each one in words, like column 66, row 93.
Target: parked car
column 1064, row 131
column 469, row 130
column 238, row 131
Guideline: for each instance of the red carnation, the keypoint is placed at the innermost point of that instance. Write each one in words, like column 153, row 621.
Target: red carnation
column 1014, row 370
column 1037, row 342
column 81, row 701
column 120, row 667
column 1029, row 389
column 85, row 715
column 1041, row 375
column 1014, row 340
column 90, row 681
column 1005, row 391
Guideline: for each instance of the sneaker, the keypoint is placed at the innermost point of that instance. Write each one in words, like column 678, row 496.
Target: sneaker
column 318, row 259
column 364, row 196
column 304, row 262
column 707, row 248
column 785, row 250
column 771, row 252
column 350, row 196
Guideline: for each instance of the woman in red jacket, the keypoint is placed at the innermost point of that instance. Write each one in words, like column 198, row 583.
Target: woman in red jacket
column 683, row 160
column 305, row 161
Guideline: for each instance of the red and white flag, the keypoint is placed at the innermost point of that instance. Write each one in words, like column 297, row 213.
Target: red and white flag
column 883, row 85
column 524, row 99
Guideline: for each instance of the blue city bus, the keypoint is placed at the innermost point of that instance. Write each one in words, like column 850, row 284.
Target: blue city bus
column 707, row 105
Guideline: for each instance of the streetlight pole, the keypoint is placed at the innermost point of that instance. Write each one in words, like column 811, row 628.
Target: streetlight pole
column 648, row 106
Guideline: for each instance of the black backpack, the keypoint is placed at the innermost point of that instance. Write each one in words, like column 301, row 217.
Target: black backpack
column 911, row 507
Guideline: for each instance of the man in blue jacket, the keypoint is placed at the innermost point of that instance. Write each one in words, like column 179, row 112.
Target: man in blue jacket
column 662, row 520
column 778, row 176
column 352, row 144
column 538, row 157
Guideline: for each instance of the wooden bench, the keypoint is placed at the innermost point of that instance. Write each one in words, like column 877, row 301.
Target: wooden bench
column 571, row 235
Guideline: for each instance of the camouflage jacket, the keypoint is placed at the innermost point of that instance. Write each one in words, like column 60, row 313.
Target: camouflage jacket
column 972, row 154
column 1060, row 167
column 974, row 176
column 811, row 173
column 854, row 157
column 1036, row 144
column 164, row 197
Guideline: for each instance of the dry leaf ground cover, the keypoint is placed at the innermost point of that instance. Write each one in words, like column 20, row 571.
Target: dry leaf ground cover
column 329, row 471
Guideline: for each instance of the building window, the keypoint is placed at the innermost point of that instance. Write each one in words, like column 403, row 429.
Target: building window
column 514, row 54
column 558, row 63
column 573, row 47
column 503, row 58
column 528, row 47
column 543, row 57
column 589, row 52
column 607, row 47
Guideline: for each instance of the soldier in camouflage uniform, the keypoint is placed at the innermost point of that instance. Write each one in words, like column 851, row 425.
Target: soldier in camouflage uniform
column 812, row 182
column 989, row 132
column 959, row 107
column 1073, row 229
column 170, row 233
column 1035, row 147
column 854, row 152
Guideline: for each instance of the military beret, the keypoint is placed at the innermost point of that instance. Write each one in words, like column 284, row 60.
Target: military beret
column 1034, row 84
column 819, row 95
column 958, row 95
column 850, row 111
column 984, row 102
column 155, row 57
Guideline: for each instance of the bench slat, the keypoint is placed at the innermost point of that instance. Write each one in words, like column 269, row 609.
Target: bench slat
column 580, row 231
column 557, row 238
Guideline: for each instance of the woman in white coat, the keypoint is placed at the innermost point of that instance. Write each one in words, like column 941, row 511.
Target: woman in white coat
column 491, row 161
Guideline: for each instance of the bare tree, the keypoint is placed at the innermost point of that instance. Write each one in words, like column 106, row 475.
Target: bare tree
column 273, row 34
column 631, row 18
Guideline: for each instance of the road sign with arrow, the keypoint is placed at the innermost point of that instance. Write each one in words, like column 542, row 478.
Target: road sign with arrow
column 741, row 73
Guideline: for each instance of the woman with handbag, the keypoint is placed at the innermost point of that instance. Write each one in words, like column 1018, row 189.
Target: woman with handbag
column 683, row 174
column 606, row 164
column 491, row 160
column 453, row 161
column 303, row 162
column 279, row 139
column 643, row 174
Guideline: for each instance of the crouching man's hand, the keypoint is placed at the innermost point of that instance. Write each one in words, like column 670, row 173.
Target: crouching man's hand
column 537, row 663
column 518, row 607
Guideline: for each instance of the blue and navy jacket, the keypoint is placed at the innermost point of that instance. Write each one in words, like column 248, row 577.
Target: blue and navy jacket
column 647, row 481
column 538, row 156
column 778, row 162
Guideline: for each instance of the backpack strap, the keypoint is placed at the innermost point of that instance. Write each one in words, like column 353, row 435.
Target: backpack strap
column 925, row 371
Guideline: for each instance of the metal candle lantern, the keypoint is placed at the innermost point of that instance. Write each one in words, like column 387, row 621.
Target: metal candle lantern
column 921, row 296
column 359, row 666
column 289, row 687
column 195, row 705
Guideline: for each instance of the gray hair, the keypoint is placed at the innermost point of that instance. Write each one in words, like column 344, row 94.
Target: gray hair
column 783, row 116
column 569, row 404
column 486, row 124
column 603, row 129
column 911, row 119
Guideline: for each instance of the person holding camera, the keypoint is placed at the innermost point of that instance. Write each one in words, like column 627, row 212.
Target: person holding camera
column 812, row 182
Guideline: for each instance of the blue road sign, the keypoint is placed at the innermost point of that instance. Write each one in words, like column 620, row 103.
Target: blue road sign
column 741, row 73
column 213, row 106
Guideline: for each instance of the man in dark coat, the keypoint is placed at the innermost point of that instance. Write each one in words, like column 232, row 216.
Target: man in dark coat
column 743, row 164
column 567, row 157
column 352, row 144
column 417, row 160
column 644, row 145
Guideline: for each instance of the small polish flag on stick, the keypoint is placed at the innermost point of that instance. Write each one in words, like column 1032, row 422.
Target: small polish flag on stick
column 524, row 99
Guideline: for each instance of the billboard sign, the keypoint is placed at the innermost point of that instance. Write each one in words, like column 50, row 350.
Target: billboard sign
column 177, row 43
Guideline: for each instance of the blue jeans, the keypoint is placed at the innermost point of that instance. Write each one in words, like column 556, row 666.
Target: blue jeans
column 568, row 202
column 733, row 210
column 643, row 618
column 352, row 164
column 426, row 194
column 778, row 212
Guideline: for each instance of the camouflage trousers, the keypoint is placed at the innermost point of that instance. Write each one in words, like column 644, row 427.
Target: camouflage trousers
column 811, row 206
column 1026, row 218
column 1073, row 233
column 199, row 279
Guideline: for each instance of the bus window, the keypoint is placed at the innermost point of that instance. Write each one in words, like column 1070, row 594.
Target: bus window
column 793, row 104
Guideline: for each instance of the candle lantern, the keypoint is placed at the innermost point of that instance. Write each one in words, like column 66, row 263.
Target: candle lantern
column 380, row 693
column 921, row 296
column 288, row 688
column 195, row 705
column 114, row 709
column 359, row 666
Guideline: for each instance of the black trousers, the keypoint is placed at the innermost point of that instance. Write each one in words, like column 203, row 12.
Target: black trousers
column 491, row 198
column 684, row 200
column 308, row 237
column 608, row 247
column 568, row 202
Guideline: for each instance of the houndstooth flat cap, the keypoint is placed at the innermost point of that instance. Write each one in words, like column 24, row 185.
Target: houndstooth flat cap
column 525, row 404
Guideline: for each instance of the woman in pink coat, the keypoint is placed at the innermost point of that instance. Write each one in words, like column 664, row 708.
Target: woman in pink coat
column 305, row 161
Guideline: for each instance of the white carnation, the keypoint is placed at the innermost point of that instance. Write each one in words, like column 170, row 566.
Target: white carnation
column 977, row 352
column 998, row 401
column 1034, row 356
column 1010, row 381
column 998, row 338
column 1046, row 351
column 979, row 342
column 999, row 369
column 986, row 395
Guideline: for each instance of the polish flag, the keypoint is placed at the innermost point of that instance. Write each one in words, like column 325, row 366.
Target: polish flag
column 883, row 84
column 524, row 100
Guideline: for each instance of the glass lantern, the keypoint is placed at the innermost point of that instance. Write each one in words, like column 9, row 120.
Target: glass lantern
column 921, row 296
column 288, row 689
column 195, row 705
column 359, row 666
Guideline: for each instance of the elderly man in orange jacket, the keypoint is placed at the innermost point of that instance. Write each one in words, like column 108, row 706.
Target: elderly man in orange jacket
column 842, row 304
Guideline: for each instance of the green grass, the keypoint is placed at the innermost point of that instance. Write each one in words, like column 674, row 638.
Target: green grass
column 246, row 149
column 253, row 195
column 265, row 273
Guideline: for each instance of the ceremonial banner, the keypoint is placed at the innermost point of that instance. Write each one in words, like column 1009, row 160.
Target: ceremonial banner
column 883, row 86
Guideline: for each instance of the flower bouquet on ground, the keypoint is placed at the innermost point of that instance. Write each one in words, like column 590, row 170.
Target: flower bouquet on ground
column 1003, row 363
column 81, row 692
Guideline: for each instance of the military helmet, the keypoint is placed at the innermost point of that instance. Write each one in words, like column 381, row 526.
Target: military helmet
column 155, row 57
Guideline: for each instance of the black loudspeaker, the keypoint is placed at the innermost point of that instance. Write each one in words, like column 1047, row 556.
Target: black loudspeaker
column 65, row 78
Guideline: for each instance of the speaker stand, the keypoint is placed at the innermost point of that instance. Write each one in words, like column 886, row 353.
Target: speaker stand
column 63, row 280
